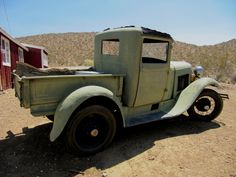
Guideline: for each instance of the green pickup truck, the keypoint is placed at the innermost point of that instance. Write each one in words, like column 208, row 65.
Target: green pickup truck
column 132, row 82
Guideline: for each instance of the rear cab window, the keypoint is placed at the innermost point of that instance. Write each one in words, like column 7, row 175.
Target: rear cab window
column 111, row 47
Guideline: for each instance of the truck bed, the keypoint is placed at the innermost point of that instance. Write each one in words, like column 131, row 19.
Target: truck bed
column 42, row 93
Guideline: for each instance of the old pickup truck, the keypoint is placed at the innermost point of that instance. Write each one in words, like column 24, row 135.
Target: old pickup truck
column 133, row 81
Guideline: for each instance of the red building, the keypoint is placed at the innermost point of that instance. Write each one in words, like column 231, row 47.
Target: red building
column 37, row 56
column 13, row 51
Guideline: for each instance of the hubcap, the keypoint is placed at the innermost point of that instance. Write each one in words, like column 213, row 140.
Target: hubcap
column 203, row 104
column 94, row 133
column 206, row 108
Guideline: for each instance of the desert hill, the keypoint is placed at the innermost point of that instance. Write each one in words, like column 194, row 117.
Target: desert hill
column 73, row 49
column 65, row 49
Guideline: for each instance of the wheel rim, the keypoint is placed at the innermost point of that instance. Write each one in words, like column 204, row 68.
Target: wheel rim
column 92, row 131
column 204, row 105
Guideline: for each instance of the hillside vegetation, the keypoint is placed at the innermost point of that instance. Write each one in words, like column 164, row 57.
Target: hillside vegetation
column 73, row 49
column 219, row 61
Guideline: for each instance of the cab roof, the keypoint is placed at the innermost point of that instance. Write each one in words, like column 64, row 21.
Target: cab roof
column 143, row 30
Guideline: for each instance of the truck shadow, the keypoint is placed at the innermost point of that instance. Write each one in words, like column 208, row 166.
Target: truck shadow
column 32, row 154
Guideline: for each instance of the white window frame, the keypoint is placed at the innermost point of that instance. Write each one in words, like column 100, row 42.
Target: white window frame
column 44, row 59
column 6, row 52
column 21, row 55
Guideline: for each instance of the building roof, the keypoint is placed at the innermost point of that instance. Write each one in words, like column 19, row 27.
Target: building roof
column 35, row 47
column 12, row 39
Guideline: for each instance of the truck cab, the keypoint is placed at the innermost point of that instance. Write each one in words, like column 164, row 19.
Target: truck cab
column 143, row 55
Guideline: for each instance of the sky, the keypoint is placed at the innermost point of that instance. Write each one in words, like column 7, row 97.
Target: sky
column 200, row 22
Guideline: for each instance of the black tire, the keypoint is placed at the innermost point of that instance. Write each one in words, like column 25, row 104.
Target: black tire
column 90, row 130
column 207, row 106
column 50, row 117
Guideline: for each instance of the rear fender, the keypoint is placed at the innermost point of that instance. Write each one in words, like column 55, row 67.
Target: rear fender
column 190, row 94
column 72, row 102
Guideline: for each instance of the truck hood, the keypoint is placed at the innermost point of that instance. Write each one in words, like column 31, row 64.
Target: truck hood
column 180, row 65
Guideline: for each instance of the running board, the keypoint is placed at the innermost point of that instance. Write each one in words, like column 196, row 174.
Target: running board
column 146, row 118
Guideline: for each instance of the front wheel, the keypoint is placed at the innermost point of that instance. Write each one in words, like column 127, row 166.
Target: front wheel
column 207, row 106
column 90, row 130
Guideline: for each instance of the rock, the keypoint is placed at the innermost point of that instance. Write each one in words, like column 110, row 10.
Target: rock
column 151, row 158
column 104, row 174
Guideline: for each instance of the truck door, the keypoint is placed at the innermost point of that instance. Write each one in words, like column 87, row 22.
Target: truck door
column 154, row 67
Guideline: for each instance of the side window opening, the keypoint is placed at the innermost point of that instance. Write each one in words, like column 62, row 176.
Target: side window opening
column 110, row 47
column 154, row 51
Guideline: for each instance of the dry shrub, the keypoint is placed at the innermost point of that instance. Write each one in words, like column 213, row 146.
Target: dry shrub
column 88, row 62
column 233, row 78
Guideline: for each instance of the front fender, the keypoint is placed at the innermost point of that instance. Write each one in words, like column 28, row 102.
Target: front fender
column 190, row 94
column 72, row 102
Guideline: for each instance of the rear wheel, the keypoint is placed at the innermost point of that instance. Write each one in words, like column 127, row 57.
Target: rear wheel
column 90, row 130
column 50, row 117
column 207, row 106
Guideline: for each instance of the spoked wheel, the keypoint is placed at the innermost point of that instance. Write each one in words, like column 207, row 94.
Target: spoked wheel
column 90, row 130
column 207, row 106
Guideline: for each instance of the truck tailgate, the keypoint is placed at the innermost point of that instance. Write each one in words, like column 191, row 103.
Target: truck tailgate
column 21, row 90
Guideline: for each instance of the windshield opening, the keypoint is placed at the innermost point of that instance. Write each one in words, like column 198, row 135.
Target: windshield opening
column 154, row 51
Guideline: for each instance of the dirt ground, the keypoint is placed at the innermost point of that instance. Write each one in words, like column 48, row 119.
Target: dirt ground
column 177, row 147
